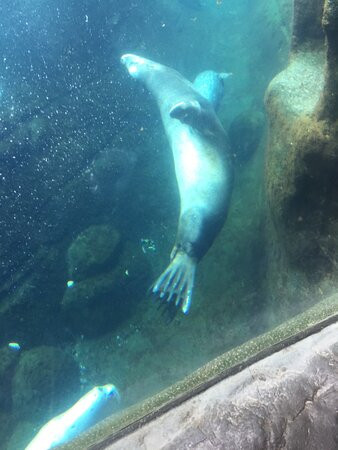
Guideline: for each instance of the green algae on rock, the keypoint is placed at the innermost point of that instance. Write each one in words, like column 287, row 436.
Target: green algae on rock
column 92, row 250
column 43, row 377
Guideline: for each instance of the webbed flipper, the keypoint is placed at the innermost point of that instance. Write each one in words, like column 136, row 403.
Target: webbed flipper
column 175, row 284
column 195, row 115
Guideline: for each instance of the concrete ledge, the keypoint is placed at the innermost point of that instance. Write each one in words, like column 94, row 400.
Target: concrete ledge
column 123, row 424
column 288, row 400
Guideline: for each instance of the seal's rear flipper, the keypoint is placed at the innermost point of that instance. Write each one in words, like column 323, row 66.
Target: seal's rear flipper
column 188, row 112
column 177, row 281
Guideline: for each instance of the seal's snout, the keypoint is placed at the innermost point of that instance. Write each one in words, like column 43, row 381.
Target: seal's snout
column 111, row 391
column 133, row 63
column 125, row 58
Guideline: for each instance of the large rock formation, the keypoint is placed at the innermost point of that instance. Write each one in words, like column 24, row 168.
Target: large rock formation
column 107, row 280
column 302, row 158
column 92, row 250
column 44, row 377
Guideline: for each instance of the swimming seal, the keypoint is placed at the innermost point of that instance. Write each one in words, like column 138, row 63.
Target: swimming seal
column 210, row 85
column 94, row 406
column 203, row 171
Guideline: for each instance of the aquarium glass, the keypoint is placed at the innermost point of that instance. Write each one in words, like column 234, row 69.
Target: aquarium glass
column 89, row 202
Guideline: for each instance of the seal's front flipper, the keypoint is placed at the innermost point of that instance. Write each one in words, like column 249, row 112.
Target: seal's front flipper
column 188, row 112
column 177, row 281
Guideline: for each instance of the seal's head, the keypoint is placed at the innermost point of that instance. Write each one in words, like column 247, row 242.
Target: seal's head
column 136, row 65
column 109, row 391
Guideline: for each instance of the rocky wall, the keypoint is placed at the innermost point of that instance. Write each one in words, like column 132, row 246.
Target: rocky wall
column 302, row 161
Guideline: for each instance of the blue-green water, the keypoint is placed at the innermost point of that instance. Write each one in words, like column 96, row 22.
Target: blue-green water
column 89, row 197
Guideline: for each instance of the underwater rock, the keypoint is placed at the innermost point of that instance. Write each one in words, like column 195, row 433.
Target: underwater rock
column 96, row 304
column 329, row 104
column 6, row 426
column 245, row 133
column 8, row 360
column 44, row 378
column 92, row 250
column 22, row 431
column 30, row 302
column 302, row 159
column 307, row 22
column 89, row 292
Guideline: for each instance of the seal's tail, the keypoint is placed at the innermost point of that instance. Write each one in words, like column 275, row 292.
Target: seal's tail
column 176, row 283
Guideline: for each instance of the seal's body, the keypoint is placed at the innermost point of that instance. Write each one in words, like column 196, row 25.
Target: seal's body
column 203, row 171
column 94, row 406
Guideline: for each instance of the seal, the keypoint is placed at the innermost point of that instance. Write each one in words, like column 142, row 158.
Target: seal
column 203, row 171
column 94, row 406
column 210, row 85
